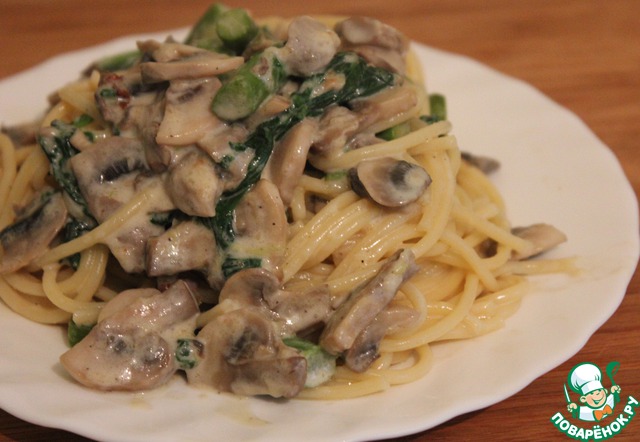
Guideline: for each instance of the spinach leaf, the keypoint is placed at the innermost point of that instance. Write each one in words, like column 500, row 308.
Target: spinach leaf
column 59, row 150
column 77, row 332
column 57, row 147
column 232, row 265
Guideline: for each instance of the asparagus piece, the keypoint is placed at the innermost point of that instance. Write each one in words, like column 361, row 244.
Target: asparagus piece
column 397, row 131
column 438, row 106
column 249, row 86
column 204, row 33
column 236, row 29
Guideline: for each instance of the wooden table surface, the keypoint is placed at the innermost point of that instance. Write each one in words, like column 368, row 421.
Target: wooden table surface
column 583, row 54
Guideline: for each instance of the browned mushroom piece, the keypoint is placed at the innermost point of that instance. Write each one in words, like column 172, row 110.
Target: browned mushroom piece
column 363, row 305
column 133, row 348
column 233, row 164
column 486, row 164
column 377, row 42
column 261, row 227
column 124, row 299
column 337, row 126
column 286, row 164
column 365, row 348
column 244, row 354
column 542, row 237
column 187, row 114
column 22, row 134
column 295, row 311
column 193, row 183
column 302, row 311
column 199, row 64
column 106, row 173
column 386, row 108
column 29, row 237
column 168, row 50
column 250, row 286
column 309, row 48
column 388, row 181
column 109, row 174
column 188, row 245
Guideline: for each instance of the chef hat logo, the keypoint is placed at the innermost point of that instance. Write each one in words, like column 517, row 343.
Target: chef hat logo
column 585, row 378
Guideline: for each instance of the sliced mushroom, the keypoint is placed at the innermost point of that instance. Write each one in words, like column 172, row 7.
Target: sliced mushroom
column 363, row 305
column 377, row 42
column 188, row 245
column 124, row 299
column 22, row 134
column 485, row 164
column 542, row 238
column 194, row 185
column 128, row 242
column 106, row 173
column 295, row 311
column 389, row 182
column 287, row 162
column 109, row 174
column 233, row 164
column 187, row 113
column 250, row 287
column 271, row 107
column 166, row 51
column 337, row 125
column 302, row 312
column 365, row 348
column 29, row 237
column 200, row 64
column 244, row 354
column 309, row 48
column 261, row 227
column 142, row 120
column 386, row 108
column 363, row 139
column 371, row 32
column 133, row 349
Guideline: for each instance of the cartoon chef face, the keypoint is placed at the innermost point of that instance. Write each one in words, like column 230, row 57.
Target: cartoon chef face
column 595, row 398
column 585, row 379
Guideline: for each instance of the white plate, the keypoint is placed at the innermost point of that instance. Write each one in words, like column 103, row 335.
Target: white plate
column 553, row 169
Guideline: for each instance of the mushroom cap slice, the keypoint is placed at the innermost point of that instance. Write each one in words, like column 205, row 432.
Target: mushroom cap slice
column 293, row 310
column 377, row 42
column 487, row 165
column 197, row 65
column 250, row 286
column 186, row 246
column 310, row 46
column 388, row 181
column 365, row 348
column 133, row 348
column 542, row 237
column 289, row 158
column 243, row 353
column 194, row 184
column 30, row 236
column 364, row 304
column 261, row 227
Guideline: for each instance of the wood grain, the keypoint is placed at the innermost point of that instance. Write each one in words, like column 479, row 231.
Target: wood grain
column 584, row 54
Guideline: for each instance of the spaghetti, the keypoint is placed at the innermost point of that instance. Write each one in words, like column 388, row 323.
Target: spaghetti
column 466, row 284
